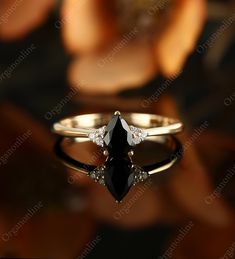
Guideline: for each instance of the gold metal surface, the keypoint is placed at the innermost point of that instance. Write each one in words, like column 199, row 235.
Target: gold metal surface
column 83, row 125
column 163, row 140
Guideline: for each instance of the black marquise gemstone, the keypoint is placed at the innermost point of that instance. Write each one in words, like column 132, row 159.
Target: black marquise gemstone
column 118, row 176
column 118, row 137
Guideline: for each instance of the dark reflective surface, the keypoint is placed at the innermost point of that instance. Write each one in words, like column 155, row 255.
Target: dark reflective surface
column 48, row 211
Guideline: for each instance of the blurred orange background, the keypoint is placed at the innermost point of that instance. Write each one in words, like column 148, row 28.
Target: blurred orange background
column 168, row 57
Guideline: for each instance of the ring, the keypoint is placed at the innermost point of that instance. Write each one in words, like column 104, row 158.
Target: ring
column 119, row 173
column 118, row 136
column 114, row 132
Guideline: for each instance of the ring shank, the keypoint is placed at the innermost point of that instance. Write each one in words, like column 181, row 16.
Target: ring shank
column 83, row 125
column 175, row 150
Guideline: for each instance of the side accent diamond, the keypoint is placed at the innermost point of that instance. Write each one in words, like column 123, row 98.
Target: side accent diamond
column 98, row 175
column 138, row 134
column 97, row 136
column 139, row 174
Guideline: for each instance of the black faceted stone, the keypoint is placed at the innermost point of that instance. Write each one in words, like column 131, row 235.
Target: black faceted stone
column 118, row 137
column 118, row 176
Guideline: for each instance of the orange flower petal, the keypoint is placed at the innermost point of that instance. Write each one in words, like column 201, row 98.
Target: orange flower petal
column 117, row 69
column 86, row 24
column 19, row 17
column 191, row 189
column 180, row 35
column 190, row 186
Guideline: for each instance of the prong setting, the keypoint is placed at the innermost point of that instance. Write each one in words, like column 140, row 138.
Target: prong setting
column 105, row 152
column 117, row 113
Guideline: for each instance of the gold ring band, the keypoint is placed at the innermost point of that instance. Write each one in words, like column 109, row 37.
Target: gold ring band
column 84, row 125
column 118, row 134
column 173, row 145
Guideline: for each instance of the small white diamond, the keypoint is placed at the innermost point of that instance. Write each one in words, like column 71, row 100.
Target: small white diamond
column 101, row 181
column 97, row 136
column 136, row 140
column 92, row 136
column 144, row 134
column 98, row 175
column 140, row 175
column 145, row 175
column 93, row 175
column 99, row 142
column 101, row 130
column 139, row 135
